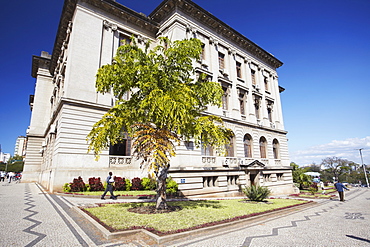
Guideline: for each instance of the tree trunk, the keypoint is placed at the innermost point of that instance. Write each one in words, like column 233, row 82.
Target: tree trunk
column 161, row 202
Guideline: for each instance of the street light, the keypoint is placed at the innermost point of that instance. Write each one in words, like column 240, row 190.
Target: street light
column 362, row 162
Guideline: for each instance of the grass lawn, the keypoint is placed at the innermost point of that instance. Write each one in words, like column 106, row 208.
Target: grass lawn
column 193, row 213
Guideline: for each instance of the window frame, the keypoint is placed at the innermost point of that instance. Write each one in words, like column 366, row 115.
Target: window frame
column 238, row 67
column 221, row 61
column 248, row 146
column 263, row 147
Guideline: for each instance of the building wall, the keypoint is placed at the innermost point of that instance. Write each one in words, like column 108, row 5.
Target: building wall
column 66, row 106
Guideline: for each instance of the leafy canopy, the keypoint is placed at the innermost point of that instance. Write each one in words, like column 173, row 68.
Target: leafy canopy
column 165, row 104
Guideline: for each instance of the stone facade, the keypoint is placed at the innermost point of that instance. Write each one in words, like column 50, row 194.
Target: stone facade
column 66, row 105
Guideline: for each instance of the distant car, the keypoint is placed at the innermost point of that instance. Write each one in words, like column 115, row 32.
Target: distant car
column 345, row 183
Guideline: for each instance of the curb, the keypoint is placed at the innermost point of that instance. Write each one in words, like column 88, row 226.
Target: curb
column 175, row 236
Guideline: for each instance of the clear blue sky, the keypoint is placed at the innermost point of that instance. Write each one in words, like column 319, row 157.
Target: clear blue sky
column 324, row 45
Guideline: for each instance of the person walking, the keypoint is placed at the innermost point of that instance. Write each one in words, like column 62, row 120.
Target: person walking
column 339, row 187
column 10, row 176
column 322, row 187
column 109, row 188
column 2, row 176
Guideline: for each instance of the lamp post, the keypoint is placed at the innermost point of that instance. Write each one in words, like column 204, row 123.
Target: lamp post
column 362, row 162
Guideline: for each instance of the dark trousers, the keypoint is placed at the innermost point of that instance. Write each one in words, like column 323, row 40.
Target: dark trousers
column 341, row 195
column 110, row 189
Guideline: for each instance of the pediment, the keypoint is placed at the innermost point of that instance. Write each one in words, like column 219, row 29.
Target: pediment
column 256, row 164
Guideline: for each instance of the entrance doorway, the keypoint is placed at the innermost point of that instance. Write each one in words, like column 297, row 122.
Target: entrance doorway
column 253, row 178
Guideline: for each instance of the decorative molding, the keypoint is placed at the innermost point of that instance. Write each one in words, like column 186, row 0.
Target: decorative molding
column 109, row 26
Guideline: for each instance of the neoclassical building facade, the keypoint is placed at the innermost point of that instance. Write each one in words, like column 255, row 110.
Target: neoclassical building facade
column 65, row 104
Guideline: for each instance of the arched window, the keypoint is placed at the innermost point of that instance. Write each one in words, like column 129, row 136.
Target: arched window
column 230, row 148
column 276, row 149
column 247, row 145
column 263, row 147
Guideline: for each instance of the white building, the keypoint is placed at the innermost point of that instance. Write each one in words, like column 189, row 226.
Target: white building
column 20, row 146
column 66, row 105
column 4, row 157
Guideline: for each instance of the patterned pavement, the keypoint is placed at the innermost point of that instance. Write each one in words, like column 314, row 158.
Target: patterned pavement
column 330, row 223
column 31, row 217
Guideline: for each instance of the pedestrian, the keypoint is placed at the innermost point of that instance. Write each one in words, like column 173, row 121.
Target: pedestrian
column 339, row 187
column 2, row 176
column 322, row 187
column 109, row 188
column 10, row 176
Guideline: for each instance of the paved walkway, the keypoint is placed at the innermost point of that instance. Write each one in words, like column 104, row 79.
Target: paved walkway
column 31, row 217
column 330, row 223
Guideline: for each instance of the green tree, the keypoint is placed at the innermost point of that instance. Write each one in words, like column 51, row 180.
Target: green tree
column 15, row 158
column 303, row 180
column 165, row 105
column 15, row 164
column 336, row 166
column 313, row 168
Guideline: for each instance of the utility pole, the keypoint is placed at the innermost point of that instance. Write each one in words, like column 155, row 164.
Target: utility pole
column 362, row 162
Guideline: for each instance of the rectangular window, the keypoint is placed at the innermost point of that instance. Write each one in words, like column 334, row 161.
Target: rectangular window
column 266, row 81
column 124, row 39
column 203, row 54
column 269, row 110
column 242, row 102
column 238, row 70
column 189, row 145
column 269, row 113
column 225, row 98
column 242, row 107
column 122, row 148
column 257, row 108
column 207, row 150
column 253, row 74
column 221, row 60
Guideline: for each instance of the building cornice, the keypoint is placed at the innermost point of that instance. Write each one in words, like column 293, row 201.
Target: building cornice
column 167, row 7
column 152, row 23
column 39, row 62
column 109, row 6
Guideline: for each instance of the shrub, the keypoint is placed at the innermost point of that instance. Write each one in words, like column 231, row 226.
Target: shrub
column 256, row 193
column 136, row 184
column 148, row 184
column 128, row 184
column 172, row 186
column 77, row 185
column 66, row 187
column 119, row 183
column 95, row 184
column 313, row 188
